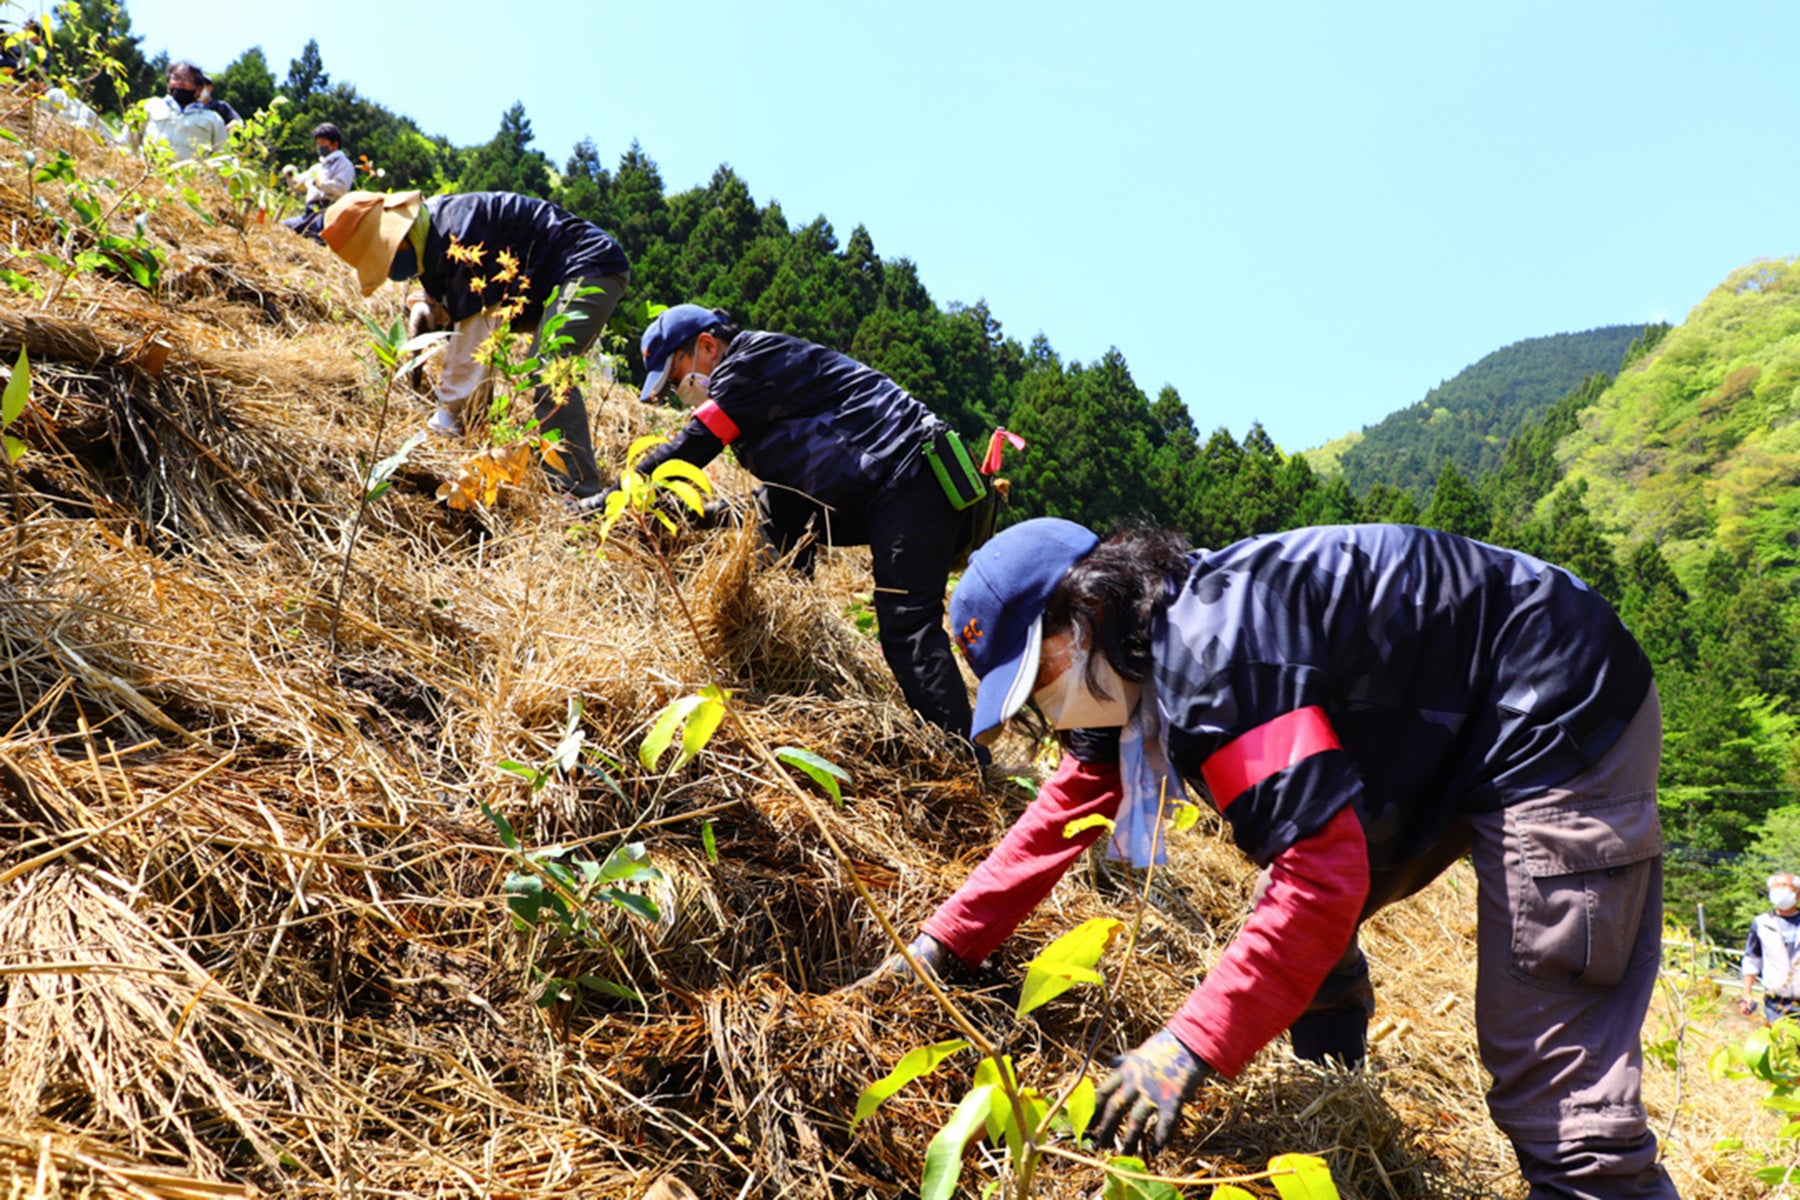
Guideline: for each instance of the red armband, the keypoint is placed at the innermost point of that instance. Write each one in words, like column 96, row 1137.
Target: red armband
column 715, row 420
column 1273, row 746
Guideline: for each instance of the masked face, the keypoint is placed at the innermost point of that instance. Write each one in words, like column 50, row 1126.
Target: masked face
column 694, row 389
column 183, row 96
column 1068, row 702
column 1783, row 898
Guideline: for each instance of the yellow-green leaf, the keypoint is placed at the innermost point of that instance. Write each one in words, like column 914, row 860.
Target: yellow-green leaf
column 913, row 1065
column 703, row 723
column 18, row 390
column 639, row 448
column 686, row 493
column 662, row 730
column 1081, row 824
column 1118, row 1187
column 1067, row 961
column 1184, row 818
column 1231, row 1191
column 1302, row 1177
column 1080, row 1108
column 680, row 469
column 943, row 1157
column 15, row 449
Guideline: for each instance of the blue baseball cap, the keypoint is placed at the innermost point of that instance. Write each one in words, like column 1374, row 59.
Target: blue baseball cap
column 672, row 329
column 997, row 612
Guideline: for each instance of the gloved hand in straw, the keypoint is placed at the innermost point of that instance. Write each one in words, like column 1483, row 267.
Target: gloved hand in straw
column 894, row 969
column 1140, row 1102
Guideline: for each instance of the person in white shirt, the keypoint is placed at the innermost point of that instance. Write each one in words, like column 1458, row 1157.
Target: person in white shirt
column 179, row 120
column 324, row 181
column 1770, row 952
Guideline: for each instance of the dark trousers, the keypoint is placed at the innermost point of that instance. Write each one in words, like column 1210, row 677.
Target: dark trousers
column 308, row 223
column 913, row 535
column 587, row 316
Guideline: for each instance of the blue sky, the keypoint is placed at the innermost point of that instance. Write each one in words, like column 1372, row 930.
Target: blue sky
column 1306, row 214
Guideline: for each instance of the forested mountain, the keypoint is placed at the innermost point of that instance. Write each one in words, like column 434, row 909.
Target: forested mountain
column 1465, row 420
column 1698, row 448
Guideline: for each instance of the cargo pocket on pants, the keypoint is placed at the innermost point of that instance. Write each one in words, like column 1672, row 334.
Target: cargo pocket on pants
column 1579, row 895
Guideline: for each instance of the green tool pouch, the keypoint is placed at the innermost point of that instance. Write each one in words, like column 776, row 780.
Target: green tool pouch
column 955, row 472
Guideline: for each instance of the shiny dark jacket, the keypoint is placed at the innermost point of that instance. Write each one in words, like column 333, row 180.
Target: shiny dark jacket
column 809, row 418
column 551, row 245
column 1459, row 678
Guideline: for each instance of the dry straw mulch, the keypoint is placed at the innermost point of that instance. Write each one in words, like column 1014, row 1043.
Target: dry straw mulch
column 251, row 932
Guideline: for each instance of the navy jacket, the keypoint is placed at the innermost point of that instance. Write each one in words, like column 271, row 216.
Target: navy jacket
column 1455, row 677
column 551, row 245
column 808, row 418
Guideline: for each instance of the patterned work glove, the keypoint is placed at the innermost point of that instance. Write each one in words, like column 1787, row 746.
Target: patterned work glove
column 1153, row 1081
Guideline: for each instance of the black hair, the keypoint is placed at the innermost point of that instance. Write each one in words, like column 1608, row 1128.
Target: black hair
column 725, row 330
column 1113, row 597
column 189, row 69
column 329, row 132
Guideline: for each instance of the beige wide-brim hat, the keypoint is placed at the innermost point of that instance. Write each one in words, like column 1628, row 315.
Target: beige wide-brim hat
column 366, row 228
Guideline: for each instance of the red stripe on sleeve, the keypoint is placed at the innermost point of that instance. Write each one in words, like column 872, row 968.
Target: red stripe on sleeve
column 1274, row 746
column 714, row 418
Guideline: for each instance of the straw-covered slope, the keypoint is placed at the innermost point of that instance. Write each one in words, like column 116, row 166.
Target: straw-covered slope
column 252, row 929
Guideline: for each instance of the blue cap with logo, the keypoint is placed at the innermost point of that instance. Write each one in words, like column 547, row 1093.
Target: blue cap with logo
column 672, row 329
column 997, row 610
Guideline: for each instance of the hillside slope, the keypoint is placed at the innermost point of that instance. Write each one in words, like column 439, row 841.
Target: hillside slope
column 1697, row 445
column 1466, row 419
column 254, row 933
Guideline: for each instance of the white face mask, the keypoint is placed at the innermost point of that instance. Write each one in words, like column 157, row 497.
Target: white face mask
column 1067, row 701
column 1782, row 898
column 694, row 389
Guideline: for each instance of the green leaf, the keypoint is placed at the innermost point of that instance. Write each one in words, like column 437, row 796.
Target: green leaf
column 642, row 907
column 916, row 1063
column 1118, row 1187
column 1080, row 1108
column 20, row 283
column 15, row 449
column 596, row 983
column 383, row 470
column 508, row 838
column 1185, row 816
column 1067, row 961
column 18, row 391
column 1081, row 824
column 709, row 841
column 943, row 1157
column 821, row 771
column 1309, row 1177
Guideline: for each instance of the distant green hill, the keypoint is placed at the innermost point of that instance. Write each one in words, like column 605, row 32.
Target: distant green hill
column 1466, row 420
column 1697, row 446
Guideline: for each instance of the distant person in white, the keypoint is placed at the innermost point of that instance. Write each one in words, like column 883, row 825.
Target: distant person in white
column 181, row 121
column 324, row 181
column 1770, row 952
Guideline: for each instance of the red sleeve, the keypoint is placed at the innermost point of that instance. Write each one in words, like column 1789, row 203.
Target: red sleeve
column 1270, row 972
column 1034, row 854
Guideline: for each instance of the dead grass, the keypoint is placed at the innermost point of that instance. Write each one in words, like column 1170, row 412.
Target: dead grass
column 251, row 935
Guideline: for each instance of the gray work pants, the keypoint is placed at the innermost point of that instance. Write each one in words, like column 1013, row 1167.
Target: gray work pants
column 1568, row 944
column 1569, row 936
column 587, row 316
